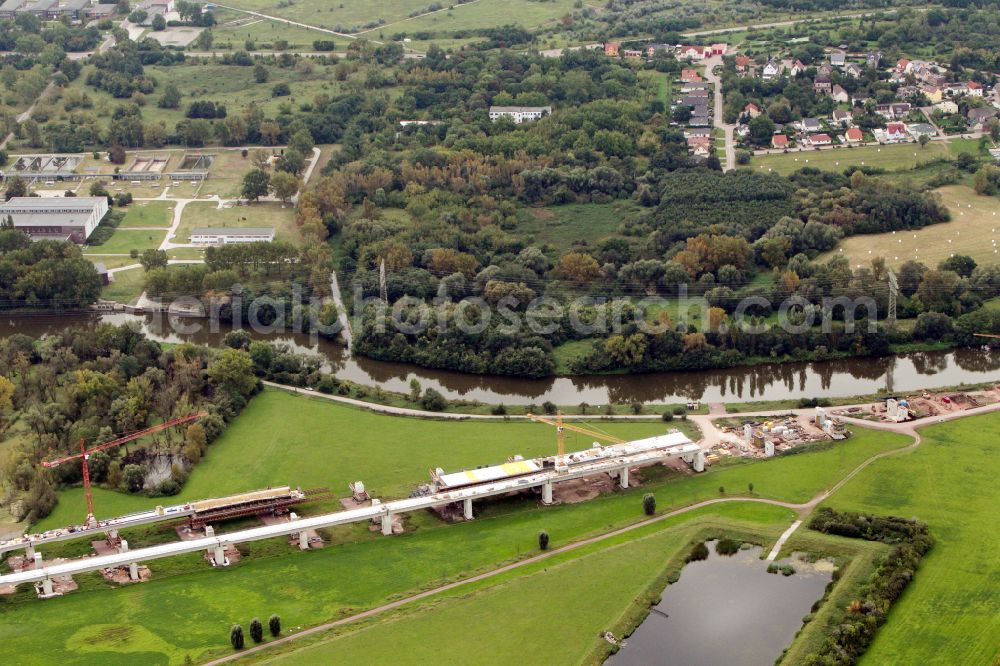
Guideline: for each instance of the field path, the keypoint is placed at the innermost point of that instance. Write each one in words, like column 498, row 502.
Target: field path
column 730, row 158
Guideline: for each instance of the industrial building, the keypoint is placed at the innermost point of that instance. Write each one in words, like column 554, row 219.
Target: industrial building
column 203, row 236
column 56, row 218
column 519, row 114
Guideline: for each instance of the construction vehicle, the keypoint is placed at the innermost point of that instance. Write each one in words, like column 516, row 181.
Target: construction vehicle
column 85, row 453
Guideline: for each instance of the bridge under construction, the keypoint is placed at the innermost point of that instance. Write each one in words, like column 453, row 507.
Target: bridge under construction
column 462, row 488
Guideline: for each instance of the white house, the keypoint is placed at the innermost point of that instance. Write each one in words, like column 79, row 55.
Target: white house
column 519, row 114
column 772, row 69
column 839, row 94
column 202, row 236
column 56, row 218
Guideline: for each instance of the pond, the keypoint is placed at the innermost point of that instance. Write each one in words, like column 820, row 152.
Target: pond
column 726, row 610
column 773, row 381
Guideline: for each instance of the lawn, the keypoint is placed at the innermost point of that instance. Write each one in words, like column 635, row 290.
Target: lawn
column 264, row 33
column 948, row 615
column 896, row 157
column 971, row 231
column 127, row 286
column 199, row 214
column 341, row 16
column 486, row 14
column 124, row 241
column 148, row 214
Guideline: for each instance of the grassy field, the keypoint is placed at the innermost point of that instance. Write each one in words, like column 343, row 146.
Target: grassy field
column 971, row 231
column 486, row 14
column 563, row 225
column 949, row 613
column 896, row 157
column 599, row 586
column 124, row 241
column 282, row 218
column 148, row 214
column 344, row 13
column 264, row 33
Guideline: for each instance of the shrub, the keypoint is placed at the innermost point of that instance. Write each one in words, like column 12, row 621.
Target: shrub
column 549, row 407
column 727, row 546
column 433, row 401
column 637, row 408
column 679, row 411
column 649, row 504
column 236, row 637
column 543, row 540
column 256, row 630
column 722, row 490
column 699, row 552
column 169, row 487
column 667, row 416
column 274, row 625
column 498, row 410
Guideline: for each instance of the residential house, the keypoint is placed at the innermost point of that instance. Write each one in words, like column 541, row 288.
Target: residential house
column 825, row 70
column 822, row 85
column 653, row 49
column 779, row 141
column 772, row 70
column 907, row 92
column 820, row 140
column 741, row 62
column 742, row 130
column 751, row 110
column 873, row 59
column 956, row 89
column 519, row 114
column 853, row 70
column 839, row 94
column 933, row 93
column 691, row 100
column 612, row 49
column 797, row 68
column 691, row 53
column 916, row 130
column 809, row 125
column 946, row 106
column 903, row 66
column 900, row 109
column 232, row 235
column 98, row 11
column 697, row 131
column 838, row 59
column 690, row 75
column 975, row 88
column 700, row 145
column 632, row 53
column 896, row 132
column 699, row 120
column 10, row 7
column 979, row 117
column 842, row 118
column 860, row 99
column 694, row 85
column 854, row 135
column 74, row 9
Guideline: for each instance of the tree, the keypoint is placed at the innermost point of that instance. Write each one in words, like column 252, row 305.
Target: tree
column 256, row 630
column 284, row 185
column 281, row 90
column 236, row 636
column 761, row 130
column 16, row 187
column 750, row 487
column 255, row 184
column 138, row 16
column 159, row 23
column 6, row 402
column 232, row 369
column 649, row 504
column 959, row 263
column 543, row 540
column 433, row 401
column 151, row 259
column 134, row 477
column 274, row 625
column 923, row 140
column 170, row 98
column 195, row 442
column 261, row 73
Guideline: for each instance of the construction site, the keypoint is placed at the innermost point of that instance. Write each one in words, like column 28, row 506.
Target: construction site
column 565, row 477
column 767, row 437
column 902, row 408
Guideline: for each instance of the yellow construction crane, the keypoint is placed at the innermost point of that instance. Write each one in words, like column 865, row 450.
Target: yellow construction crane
column 560, row 434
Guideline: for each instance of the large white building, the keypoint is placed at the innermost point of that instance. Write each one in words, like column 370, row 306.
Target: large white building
column 204, row 236
column 519, row 113
column 56, row 218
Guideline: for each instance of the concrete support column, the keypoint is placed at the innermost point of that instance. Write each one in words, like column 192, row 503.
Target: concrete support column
column 623, row 477
column 123, row 548
column 209, row 531
column 387, row 524
column 29, row 552
column 47, row 587
column 133, row 571
column 220, row 556
column 468, row 508
column 547, row 493
column 37, row 558
column 699, row 461
column 303, row 540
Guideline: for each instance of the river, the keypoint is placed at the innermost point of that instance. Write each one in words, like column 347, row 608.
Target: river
column 776, row 381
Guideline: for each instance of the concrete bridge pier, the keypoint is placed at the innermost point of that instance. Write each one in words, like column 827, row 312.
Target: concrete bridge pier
column 387, row 524
column 219, row 556
column 47, row 587
column 133, row 571
column 623, row 477
column 547, row 492
column 467, row 508
column 303, row 540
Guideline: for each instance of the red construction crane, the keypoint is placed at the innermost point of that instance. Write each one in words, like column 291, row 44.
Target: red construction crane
column 84, row 453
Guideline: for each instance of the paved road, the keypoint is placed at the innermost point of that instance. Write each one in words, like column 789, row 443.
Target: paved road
column 729, row 161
